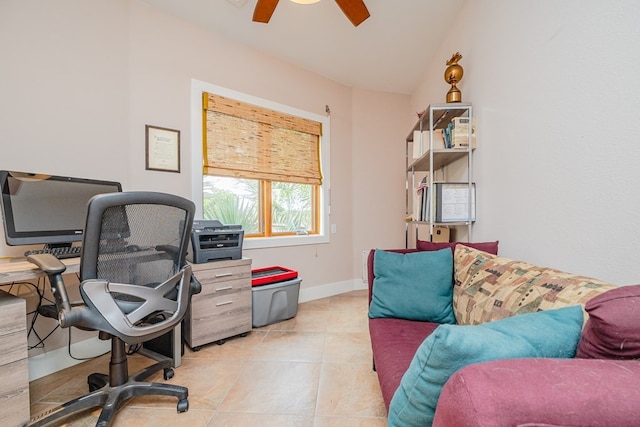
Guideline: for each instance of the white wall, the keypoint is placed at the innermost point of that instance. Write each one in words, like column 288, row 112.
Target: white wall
column 555, row 90
column 64, row 106
column 378, row 184
column 80, row 80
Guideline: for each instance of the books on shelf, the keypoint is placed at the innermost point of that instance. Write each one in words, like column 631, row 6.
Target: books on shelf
column 452, row 202
column 421, row 145
column 448, row 203
column 460, row 133
column 438, row 140
column 417, row 145
column 454, row 136
column 420, row 200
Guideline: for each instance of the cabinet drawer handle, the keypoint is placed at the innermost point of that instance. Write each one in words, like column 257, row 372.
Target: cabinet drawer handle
column 224, row 275
column 226, row 288
column 223, row 303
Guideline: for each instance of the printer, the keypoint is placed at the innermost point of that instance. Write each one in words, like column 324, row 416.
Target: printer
column 213, row 241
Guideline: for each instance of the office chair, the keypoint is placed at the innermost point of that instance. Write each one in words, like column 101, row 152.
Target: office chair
column 135, row 286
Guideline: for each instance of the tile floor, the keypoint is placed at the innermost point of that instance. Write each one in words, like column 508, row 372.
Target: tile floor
column 313, row 371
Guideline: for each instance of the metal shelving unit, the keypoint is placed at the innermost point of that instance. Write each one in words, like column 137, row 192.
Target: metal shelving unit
column 435, row 117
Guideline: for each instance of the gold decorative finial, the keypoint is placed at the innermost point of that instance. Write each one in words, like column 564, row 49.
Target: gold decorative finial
column 454, row 58
column 452, row 75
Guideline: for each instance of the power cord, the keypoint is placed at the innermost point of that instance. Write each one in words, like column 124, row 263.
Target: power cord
column 41, row 298
column 81, row 358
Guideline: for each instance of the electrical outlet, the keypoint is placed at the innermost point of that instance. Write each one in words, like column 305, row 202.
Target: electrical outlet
column 365, row 270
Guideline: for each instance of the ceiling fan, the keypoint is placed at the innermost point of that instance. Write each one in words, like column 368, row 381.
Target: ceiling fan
column 355, row 10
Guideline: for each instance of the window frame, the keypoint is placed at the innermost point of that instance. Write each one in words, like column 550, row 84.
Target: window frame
column 266, row 191
column 198, row 87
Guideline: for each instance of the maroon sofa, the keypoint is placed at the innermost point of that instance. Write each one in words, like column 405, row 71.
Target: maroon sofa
column 598, row 392
column 393, row 341
column 542, row 392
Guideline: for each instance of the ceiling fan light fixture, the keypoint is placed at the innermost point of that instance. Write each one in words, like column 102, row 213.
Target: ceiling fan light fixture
column 355, row 10
column 237, row 3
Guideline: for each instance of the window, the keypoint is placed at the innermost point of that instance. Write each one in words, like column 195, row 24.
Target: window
column 263, row 208
column 261, row 167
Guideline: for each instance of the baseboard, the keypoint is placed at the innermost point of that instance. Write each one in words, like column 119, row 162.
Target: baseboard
column 330, row 289
column 52, row 361
column 56, row 360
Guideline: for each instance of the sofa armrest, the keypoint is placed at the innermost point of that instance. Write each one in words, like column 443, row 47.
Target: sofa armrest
column 559, row 392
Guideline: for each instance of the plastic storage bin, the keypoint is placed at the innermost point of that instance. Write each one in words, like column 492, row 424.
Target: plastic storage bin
column 274, row 303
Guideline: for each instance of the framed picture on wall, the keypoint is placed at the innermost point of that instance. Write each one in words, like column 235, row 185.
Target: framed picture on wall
column 162, row 149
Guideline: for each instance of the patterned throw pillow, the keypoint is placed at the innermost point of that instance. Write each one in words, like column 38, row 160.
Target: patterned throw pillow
column 423, row 245
column 489, row 287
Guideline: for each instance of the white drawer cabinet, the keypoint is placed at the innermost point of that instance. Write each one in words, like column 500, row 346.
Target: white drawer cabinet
column 223, row 308
column 14, row 367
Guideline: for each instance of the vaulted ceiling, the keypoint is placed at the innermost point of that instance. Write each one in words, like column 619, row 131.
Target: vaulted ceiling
column 387, row 52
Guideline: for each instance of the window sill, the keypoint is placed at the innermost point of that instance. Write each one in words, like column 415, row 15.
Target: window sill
column 275, row 242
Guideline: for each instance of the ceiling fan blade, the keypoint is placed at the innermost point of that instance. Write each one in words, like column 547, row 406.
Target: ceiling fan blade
column 263, row 11
column 355, row 10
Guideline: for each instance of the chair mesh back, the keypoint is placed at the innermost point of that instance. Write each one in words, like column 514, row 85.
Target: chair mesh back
column 140, row 244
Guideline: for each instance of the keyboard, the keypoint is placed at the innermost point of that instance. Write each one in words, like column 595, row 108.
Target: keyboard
column 60, row 253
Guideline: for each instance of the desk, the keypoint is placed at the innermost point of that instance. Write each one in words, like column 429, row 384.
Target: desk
column 19, row 269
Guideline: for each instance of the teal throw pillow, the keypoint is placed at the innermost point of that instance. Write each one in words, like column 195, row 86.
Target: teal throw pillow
column 551, row 333
column 414, row 286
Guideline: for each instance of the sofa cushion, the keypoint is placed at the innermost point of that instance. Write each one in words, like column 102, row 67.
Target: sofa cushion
column 370, row 263
column 414, row 286
column 542, row 392
column 488, row 287
column 613, row 328
column 490, row 247
column 552, row 333
column 394, row 342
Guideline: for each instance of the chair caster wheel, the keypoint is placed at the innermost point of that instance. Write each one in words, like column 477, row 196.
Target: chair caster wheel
column 183, row 406
column 244, row 334
column 97, row 381
column 197, row 348
column 168, row 373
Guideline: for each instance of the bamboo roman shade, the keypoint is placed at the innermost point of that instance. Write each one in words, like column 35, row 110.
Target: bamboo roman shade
column 246, row 141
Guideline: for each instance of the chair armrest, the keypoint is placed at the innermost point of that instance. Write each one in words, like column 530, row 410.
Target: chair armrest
column 47, row 263
column 54, row 268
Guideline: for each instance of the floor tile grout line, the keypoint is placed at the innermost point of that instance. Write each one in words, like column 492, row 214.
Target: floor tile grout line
column 346, row 311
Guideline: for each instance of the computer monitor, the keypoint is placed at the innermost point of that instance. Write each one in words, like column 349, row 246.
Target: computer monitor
column 47, row 209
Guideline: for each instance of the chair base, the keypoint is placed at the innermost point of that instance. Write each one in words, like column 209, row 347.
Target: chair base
column 112, row 398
